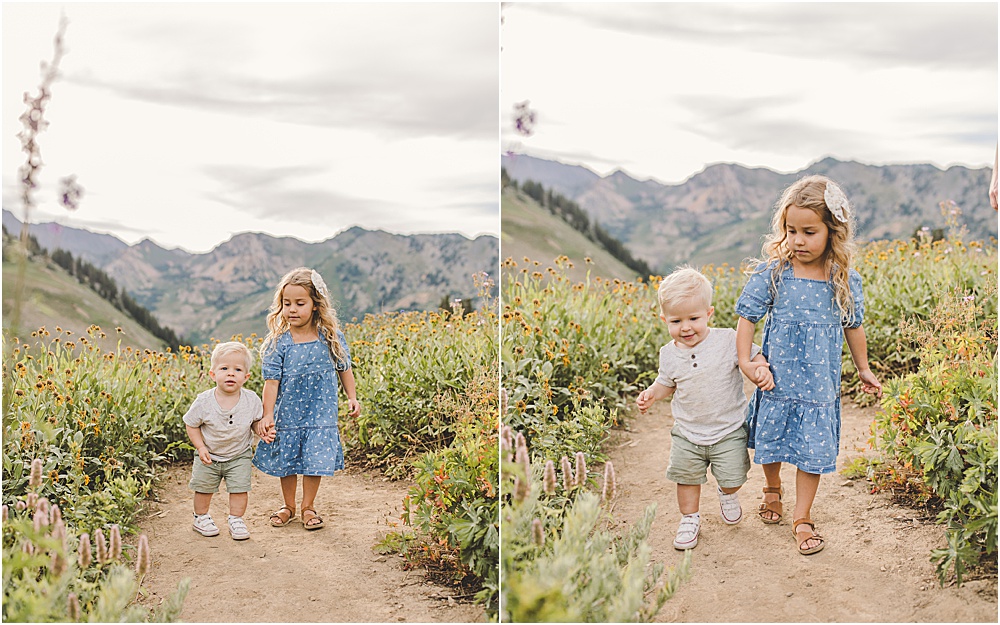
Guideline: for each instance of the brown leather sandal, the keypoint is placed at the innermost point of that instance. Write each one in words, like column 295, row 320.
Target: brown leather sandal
column 813, row 535
column 774, row 507
column 282, row 521
column 312, row 523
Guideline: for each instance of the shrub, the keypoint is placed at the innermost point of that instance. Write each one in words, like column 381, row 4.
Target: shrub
column 560, row 566
column 937, row 429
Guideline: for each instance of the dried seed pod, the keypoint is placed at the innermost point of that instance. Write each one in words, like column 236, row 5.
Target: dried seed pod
column 35, row 478
column 581, row 469
column 608, row 493
column 84, row 550
column 567, row 472
column 143, row 560
column 537, row 533
column 102, row 546
column 58, row 565
column 55, row 514
column 521, row 489
column 549, row 480
column 116, row 543
column 74, row 607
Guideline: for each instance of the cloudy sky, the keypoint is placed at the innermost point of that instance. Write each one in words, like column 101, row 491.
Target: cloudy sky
column 187, row 123
column 662, row 89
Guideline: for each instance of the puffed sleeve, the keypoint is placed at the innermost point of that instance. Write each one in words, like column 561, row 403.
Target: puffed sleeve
column 665, row 376
column 346, row 363
column 273, row 361
column 756, row 297
column 858, row 293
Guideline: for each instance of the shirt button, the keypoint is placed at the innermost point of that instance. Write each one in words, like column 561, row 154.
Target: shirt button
column 695, row 365
column 692, row 355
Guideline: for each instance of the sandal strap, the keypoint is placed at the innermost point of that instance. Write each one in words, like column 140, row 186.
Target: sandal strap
column 277, row 513
column 776, row 490
column 804, row 521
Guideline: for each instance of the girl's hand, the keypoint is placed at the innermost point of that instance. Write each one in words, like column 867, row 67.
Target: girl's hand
column 869, row 383
column 353, row 408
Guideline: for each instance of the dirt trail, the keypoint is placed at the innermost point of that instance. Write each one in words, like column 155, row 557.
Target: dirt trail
column 289, row 574
column 874, row 568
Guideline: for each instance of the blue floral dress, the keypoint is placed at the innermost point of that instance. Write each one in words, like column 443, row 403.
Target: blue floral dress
column 305, row 411
column 798, row 421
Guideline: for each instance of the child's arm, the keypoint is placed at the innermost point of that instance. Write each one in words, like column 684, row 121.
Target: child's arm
column 347, row 380
column 265, row 427
column 653, row 394
column 857, row 342
column 199, row 443
column 757, row 370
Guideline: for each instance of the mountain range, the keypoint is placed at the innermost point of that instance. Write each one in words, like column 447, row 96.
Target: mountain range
column 228, row 290
column 721, row 213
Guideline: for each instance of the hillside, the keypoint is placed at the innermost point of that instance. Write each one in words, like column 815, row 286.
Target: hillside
column 228, row 290
column 720, row 214
column 528, row 229
column 54, row 298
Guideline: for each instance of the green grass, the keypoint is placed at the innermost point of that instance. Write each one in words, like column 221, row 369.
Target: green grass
column 528, row 230
column 54, row 298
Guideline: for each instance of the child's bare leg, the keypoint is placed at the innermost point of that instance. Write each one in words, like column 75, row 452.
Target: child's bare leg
column 288, row 484
column 772, row 476
column 688, row 498
column 238, row 503
column 730, row 491
column 806, row 485
column 310, row 486
column 202, row 502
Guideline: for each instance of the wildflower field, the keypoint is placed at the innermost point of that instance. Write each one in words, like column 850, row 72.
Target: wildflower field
column 99, row 425
column 575, row 354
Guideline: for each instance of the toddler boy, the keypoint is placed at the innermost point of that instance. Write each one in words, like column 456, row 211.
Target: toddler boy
column 700, row 369
column 219, row 424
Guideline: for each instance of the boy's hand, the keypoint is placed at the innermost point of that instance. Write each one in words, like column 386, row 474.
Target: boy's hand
column 206, row 458
column 353, row 408
column 869, row 383
column 645, row 400
column 763, row 377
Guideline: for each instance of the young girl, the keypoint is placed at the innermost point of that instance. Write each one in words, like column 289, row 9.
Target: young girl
column 812, row 300
column 302, row 356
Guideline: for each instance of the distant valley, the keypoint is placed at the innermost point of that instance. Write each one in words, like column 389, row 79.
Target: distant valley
column 720, row 214
column 227, row 291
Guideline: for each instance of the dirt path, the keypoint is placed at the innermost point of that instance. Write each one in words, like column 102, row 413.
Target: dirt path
column 288, row 574
column 874, row 568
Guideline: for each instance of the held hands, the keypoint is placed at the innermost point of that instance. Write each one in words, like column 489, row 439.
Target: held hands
column 869, row 383
column 266, row 429
column 762, row 375
column 204, row 455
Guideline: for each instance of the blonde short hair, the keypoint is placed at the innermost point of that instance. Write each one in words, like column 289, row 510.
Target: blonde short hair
column 232, row 347
column 684, row 284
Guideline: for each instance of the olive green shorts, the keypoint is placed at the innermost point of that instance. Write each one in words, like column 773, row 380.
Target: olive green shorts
column 729, row 459
column 205, row 478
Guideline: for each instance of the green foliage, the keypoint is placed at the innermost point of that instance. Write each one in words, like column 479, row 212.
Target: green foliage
column 47, row 577
column 937, row 429
column 410, row 363
column 559, row 565
column 99, row 421
column 455, row 503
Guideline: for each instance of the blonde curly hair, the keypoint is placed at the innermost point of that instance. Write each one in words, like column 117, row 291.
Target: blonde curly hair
column 324, row 315
column 809, row 193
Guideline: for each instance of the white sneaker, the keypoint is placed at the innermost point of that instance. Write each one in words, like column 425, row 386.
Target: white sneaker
column 687, row 532
column 730, row 508
column 204, row 525
column 238, row 528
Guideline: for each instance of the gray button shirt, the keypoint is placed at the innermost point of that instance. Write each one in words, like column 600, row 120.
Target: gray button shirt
column 709, row 402
column 227, row 433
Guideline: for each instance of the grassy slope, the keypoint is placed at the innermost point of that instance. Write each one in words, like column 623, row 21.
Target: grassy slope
column 529, row 230
column 54, row 298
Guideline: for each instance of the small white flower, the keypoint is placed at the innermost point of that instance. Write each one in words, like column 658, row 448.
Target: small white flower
column 836, row 201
